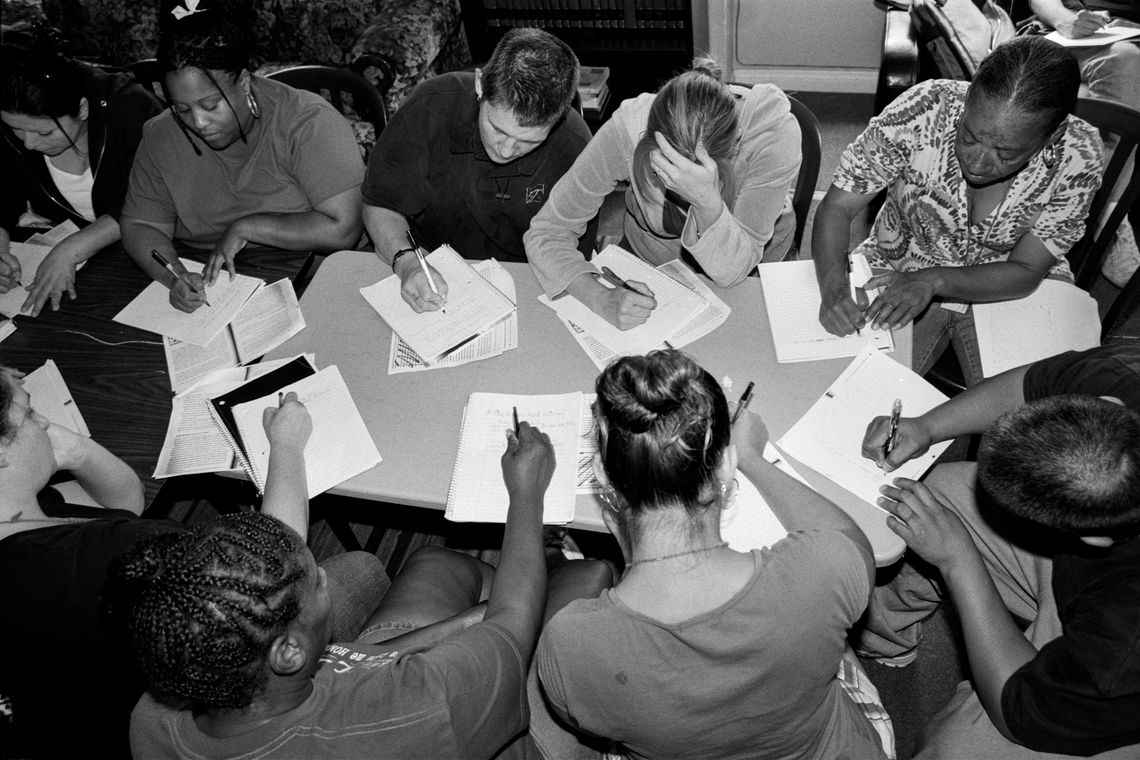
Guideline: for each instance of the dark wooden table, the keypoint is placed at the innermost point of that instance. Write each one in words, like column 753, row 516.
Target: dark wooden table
column 117, row 374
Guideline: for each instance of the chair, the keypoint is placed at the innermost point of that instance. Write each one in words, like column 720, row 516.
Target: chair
column 811, row 148
column 363, row 100
column 149, row 74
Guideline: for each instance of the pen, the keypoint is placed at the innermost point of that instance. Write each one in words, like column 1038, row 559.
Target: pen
column 609, row 275
column 858, row 295
column 515, row 412
column 893, row 430
column 280, row 398
column 745, row 398
column 154, row 254
column 423, row 262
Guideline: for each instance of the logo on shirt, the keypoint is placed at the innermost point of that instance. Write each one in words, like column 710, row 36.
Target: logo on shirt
column 534, row 194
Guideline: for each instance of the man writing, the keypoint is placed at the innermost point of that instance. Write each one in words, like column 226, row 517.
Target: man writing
column 1047, row 537
column 470, row 157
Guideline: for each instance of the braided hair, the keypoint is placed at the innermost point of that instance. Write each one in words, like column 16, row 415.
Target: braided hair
column 663, row 426
column 202, row 608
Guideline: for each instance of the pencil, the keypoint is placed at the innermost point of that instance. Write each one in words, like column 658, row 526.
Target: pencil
column 154, row 254
column 745, row 399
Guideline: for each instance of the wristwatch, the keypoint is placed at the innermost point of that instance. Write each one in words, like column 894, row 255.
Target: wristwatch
column 399, row 253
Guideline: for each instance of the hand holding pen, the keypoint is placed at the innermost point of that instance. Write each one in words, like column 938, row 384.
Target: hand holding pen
column 422, row 287
column 626, row 305
column 892, row 439
column 188, row 291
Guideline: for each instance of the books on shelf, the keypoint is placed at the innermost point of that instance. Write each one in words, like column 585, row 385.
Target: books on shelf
column 593, row 90
column 473, row 306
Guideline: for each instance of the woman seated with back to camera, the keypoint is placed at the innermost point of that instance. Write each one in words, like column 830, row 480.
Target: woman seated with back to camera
column 72, row 131
column 699, row 650
column 710, row 167
column 239, row 160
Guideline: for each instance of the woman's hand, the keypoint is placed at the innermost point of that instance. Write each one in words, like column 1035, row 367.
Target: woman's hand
column 1084, row 23
column 10, row 270
column 626, row 309
column 225, row 250
column 188, row 297
column 67, row 446
column 902, row 297
column 528, row 463
column 912, row 439
column 288, row 422
column 698, row 181
column 55, row 275
column 839, row 314
column 749, row 433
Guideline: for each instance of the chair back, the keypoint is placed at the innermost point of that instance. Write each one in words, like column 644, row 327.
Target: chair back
column 349, row 92
column 149, row 74
column 1123, row 122
column 811, row 148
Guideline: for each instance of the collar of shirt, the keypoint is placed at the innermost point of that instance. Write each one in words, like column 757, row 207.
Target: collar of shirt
column 464, row 138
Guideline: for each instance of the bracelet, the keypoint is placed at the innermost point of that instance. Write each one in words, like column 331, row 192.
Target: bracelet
column 400, row 253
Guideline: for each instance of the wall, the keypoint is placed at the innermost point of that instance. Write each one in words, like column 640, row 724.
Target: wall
column 820, row 45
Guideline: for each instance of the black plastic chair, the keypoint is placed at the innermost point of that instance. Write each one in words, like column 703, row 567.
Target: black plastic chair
column 811, row 146
column 349, row 92
column 149, row 75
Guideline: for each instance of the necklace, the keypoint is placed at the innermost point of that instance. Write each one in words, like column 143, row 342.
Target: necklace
column 502, row 193
column 646, row 561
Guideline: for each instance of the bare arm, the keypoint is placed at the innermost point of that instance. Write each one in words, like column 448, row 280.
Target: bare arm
column 288, row 427
column 388, row 230
column 56, row 275
column 105, row 477
column 140, row 238
column 1069, row 23
column 830, row 240
column 617, row 306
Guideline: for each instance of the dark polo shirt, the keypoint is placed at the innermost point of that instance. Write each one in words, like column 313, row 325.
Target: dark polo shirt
column 430, row 166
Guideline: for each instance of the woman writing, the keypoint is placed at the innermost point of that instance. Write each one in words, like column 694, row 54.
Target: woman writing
column 702, row 651
column 71, row 134
column 709, row 168
column 238, row 160
column 988, row 186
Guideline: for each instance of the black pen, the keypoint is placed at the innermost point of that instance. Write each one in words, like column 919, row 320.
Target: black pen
column 162, row 262
column 893, row 430
column 743, row 403
column 858, row 295
column 609, row 275
column 515, row 413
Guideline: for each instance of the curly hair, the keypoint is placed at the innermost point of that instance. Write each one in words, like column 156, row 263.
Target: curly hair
column 1033, row 74
column 203, row 607
column 1068, row 462
column 663, row 427
column 534, row 74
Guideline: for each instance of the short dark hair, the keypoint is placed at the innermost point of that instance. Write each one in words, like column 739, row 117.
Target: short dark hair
column 40, row 81
column 203, row 607
column 1069, row 462
column 5, row 404
column 1033, row 74
column 216, row 37
column 663, row 427
column 533, row 73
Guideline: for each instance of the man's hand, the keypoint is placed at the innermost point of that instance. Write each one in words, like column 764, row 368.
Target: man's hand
column 10, row 270
column 225, row 250
column 416, row 289
column 625, row 309
column 839, row 314
column 289, row 422
column 54, row 277
column 902, row 297
column 185, row 297
column 1084, row 23
column 528, row 463
column 749, row 433
column 929, row 527
column 698, row 181
column 912, row 439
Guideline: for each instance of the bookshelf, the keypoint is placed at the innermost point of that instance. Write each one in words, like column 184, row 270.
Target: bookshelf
column 643, row 42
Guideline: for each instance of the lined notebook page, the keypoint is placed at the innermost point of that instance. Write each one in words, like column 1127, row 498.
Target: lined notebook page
column 1055, row 318
column 477, row 492
column 473, row 306
column 829, row 437
column 340, row 446
column 791, row 294
column 705, row 321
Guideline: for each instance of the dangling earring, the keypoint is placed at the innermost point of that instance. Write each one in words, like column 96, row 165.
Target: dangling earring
column 253, row 107
column 724, row 489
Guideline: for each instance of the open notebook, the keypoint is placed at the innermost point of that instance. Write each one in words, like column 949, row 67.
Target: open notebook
column 473, row 306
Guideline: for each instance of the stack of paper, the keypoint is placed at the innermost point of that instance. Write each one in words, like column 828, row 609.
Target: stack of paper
column 792, row 297
column 1055, row 318
column 829, row 437
column 52, row 399
column 501, row 338
column 682, row 311
column 473, row 306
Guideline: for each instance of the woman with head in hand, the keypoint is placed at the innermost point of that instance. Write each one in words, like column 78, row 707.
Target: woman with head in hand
column 71, row 130
column 710, row 167
column 699, row 650
column 238, row 160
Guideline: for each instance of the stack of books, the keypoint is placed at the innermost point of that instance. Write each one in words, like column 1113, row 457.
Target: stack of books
column 593, row 90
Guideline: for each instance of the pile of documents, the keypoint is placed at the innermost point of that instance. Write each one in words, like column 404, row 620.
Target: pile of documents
column 593, row 89
column 687, row 309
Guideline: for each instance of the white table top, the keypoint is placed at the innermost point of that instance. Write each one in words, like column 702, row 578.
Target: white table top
column 415, row 417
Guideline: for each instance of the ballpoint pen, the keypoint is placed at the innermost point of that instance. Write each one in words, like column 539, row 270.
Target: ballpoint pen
column 609, row 276
column 154, row 254
column 745, row 398
column 858, row 294
column 893, row 430
column 515, row 414
column 423, row 262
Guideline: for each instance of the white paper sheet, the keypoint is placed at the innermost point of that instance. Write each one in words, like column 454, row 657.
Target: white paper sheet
column 1104, row 36
column 51, row 398
column 829, row 437
column 703, row 322
column 791, row 295
column 1056, row 317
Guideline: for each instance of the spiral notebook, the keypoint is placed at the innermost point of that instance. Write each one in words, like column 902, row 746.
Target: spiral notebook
column 473, row 306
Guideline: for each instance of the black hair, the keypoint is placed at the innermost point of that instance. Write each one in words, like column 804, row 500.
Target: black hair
column 5, row 404
column 39, row 80
column 1032, row 74
column 534, row 74
column 663, row 427
column 1069, row 462
column 203, row 607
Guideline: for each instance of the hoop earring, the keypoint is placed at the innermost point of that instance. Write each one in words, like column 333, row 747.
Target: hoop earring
column 608, row 495
column 252, row 103
column 724, row 489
